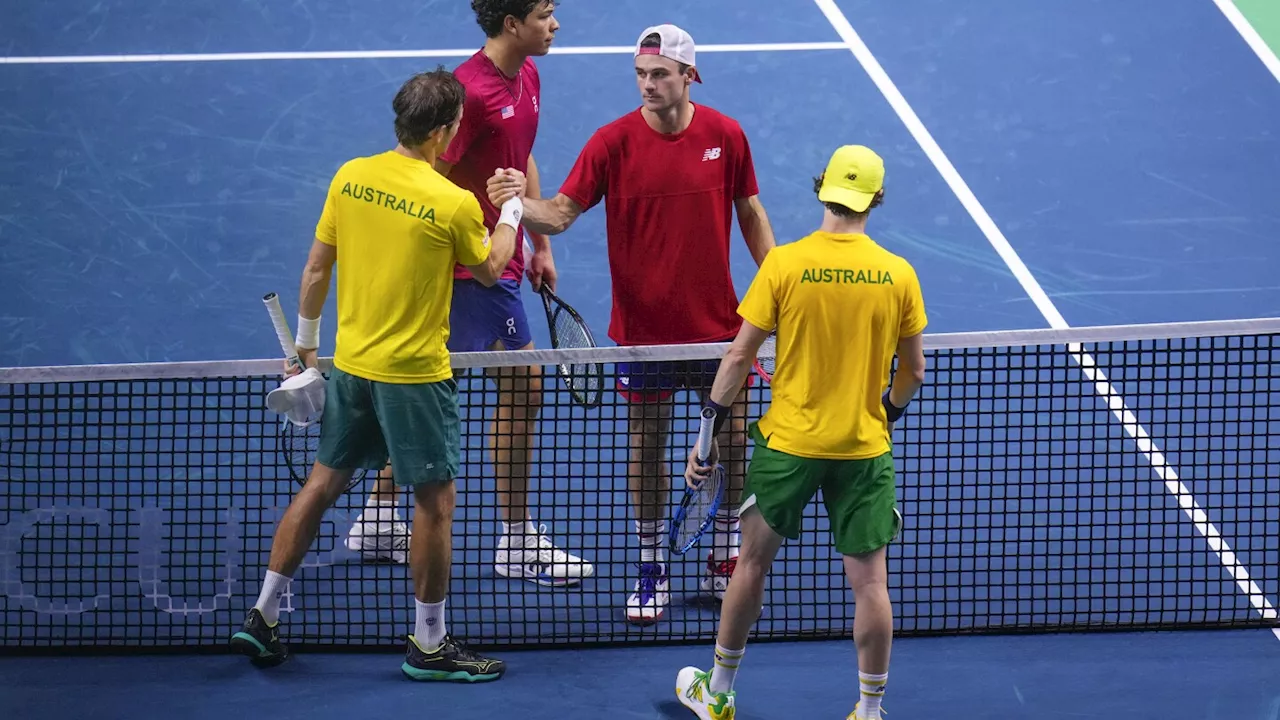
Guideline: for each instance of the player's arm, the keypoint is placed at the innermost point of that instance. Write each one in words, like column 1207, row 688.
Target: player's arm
column 484, row 255
column 533, row 191
column 735, row 366
column 756, row 229
column 732, row 375
column 311, row 296
column 909, row 378
column 752, row 219
column 548, row 217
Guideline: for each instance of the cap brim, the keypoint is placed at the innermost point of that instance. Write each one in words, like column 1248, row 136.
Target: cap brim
column 697, row 76
column 852, row 199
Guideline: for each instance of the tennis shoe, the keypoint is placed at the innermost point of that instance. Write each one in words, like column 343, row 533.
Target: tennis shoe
column 539, row 561
column 652, row 594
column 259, row 641
column 451, row 662
column 693, row 688
column 380, row 540
column 716, row 580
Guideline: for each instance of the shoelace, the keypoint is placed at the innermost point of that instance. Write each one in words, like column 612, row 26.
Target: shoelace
column 650, row 574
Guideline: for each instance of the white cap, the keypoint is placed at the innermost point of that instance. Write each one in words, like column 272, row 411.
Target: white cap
column 675, row 44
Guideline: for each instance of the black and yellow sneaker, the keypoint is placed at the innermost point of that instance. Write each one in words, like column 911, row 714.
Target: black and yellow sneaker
column 451, row 662
column 260, row 641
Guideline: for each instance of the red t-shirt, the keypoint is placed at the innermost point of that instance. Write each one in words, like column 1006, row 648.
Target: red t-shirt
column 499, row 124
column 669, row 206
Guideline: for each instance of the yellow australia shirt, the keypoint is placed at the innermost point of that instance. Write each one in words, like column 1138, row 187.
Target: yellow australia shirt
column 399, row 227
column 839, row 303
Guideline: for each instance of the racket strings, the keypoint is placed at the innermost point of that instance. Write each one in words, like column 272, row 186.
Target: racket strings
column 585, row 379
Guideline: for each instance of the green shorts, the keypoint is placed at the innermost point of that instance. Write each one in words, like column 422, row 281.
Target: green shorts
column 415, row 425
column 858, row 494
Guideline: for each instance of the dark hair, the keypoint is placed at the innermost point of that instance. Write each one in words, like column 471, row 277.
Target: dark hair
column 491, row 14
column 425, row 103
column 654, row 40
column 841, row 211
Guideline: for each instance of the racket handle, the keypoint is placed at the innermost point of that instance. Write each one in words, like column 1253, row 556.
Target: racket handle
column 706, row 430
column 281, row 324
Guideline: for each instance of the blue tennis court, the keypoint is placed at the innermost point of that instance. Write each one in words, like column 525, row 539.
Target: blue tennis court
column 1050, row 164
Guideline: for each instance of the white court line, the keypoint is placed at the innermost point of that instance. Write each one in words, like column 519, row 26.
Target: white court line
column 1255, row 41
column 1088, row 365
column 385, row 54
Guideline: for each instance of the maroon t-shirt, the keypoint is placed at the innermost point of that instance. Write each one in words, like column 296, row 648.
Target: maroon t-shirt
column 499, row 125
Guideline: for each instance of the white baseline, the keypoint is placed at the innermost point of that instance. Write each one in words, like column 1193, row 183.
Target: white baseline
column 383, row 54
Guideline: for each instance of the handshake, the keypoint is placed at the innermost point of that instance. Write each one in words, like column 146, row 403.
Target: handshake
column 506, row 184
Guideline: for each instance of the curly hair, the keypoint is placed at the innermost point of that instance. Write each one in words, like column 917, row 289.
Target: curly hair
column 490, row 14
column 841, row 211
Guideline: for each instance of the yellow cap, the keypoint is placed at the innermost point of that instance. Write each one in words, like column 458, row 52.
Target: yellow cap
column 853, row 177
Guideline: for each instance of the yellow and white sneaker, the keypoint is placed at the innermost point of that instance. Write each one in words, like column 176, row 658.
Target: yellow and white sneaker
column 693, row 687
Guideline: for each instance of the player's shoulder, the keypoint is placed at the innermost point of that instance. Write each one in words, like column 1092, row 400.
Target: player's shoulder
column 717, row 121
column 619, row 131
column 896, row 262
column 474, row 66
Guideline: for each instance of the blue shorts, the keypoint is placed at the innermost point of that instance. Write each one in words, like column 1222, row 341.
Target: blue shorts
column 480, row 316
column 650, row 382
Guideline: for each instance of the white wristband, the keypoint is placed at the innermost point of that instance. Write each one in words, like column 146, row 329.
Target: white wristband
column 512, row 211
column 308, row 333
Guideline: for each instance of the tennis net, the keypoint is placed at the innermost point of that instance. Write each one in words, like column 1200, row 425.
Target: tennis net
column 1052, row 480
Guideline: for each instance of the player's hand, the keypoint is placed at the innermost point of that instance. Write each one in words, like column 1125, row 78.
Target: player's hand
column 308, row 359
column 542, row 269
column 694, row 472
column 506, row 184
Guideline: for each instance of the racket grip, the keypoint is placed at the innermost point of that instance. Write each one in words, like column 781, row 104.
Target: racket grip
column 706, row 430
column 281, row 325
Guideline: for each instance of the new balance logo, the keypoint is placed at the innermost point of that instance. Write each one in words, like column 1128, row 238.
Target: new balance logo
column 711, row 154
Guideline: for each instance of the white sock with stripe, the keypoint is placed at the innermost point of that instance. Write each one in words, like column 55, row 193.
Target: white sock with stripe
column 653, row 540
column 872, row 687
column 725, row 535
column 725, row 669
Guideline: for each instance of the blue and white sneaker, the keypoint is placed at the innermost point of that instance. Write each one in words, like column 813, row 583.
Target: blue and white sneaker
column 652, row 595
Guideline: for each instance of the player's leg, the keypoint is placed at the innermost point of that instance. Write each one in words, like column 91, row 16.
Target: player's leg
column 423, row 435
column 350, row 439
column 725, row 534
column 777, row 489
column 524, row 550
column 647, row 389
column 860, row 504
column 380, row 533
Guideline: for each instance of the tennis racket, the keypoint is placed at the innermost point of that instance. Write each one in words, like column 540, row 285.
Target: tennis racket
column 698, row 508
column 569, row 331
column 767, row 356
column 298, row 445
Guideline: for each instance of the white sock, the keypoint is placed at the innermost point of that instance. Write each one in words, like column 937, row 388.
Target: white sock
column 653, row 538
column 726, row 534
column 379, row 512
column 725, row 669
column 518, row 533
column 429, row 629
column 274, row 586
column 872, row 692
